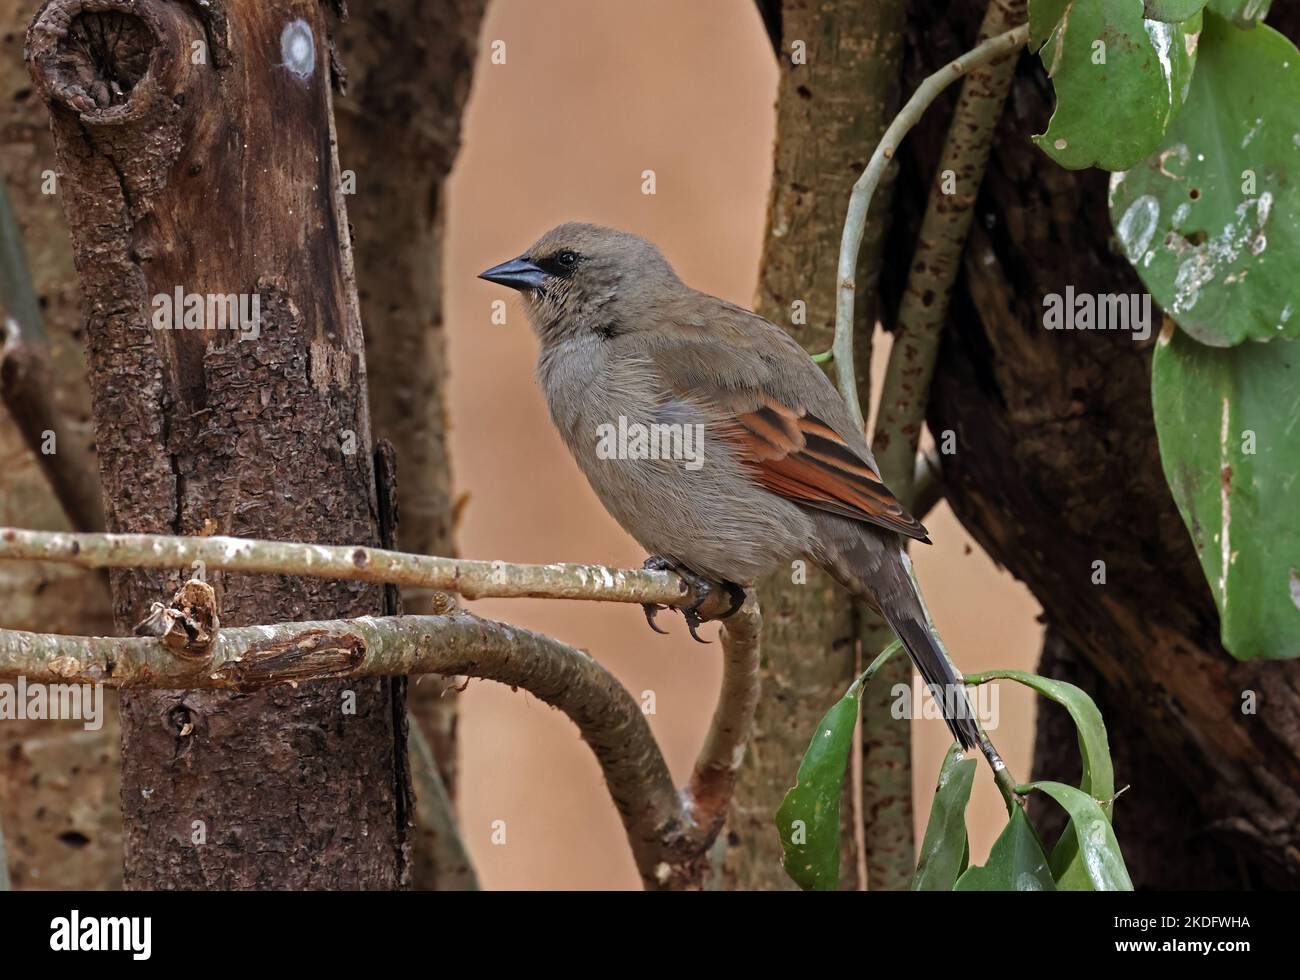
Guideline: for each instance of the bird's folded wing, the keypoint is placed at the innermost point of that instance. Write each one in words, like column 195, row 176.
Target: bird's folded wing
column 790, row 449
column 799, row 456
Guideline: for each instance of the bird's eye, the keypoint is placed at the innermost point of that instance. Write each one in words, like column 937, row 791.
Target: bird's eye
column 567, row 259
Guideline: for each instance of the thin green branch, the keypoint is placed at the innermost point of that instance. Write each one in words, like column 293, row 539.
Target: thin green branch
column 933, row 269
column 855, row 220
column 887, row 804
column 927, row 485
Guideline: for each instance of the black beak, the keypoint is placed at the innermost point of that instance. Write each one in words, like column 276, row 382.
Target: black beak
column 517, row 274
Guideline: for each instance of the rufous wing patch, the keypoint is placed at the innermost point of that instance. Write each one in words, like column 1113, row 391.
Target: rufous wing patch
column 799, row 456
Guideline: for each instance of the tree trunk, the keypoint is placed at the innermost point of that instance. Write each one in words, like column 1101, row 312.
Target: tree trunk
column 1057, row 467
column 831, row 110
column 408, row 68
column 59, row 782
column 198, row 155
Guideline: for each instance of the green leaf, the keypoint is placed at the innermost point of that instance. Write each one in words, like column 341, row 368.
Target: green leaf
column 1171, row 11
column 1211, row 221
column 1016, row 863
column 1068, row 867
column 1094, row 748
column 1230, row 448
column 1043, row 16
column 1243, row 13
column 1098, row 773
column 809, row 816
column 944, row 851
column 1115, row 113
column 1101, row 858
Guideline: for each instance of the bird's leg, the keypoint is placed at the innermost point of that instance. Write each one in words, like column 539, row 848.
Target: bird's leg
column 702, row 588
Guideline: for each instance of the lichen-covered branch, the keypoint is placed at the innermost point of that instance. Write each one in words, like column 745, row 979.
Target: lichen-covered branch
column 471, row 579
column 670, row 833
column 714, row 776
column 860, row 200
column 933, row 269
column 887, row 774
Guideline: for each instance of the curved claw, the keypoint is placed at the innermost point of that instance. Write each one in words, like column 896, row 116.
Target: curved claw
column 737, row 595
column 702, row 589
column 651, row 609
column 692, row 621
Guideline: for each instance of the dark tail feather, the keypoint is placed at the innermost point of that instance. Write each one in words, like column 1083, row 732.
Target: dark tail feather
column 941, row 678
column 872, row 565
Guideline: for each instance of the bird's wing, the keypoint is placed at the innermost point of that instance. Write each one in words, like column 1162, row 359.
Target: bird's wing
column 777, row 408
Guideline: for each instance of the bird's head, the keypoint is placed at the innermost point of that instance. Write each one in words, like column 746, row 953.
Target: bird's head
column 580, row 278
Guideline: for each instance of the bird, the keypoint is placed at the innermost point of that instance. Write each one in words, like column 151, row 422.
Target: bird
column 709, row 434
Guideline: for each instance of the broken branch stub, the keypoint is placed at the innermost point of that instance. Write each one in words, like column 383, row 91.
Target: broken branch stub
column 188, row 627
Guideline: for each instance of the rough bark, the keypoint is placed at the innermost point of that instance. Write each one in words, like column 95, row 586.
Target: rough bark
column 58, row 782
column 1057, row 467
column 199, row 154
column 830, row 112
column 409, row 66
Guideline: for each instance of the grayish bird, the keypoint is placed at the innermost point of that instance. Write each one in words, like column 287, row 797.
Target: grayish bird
column 713, row 438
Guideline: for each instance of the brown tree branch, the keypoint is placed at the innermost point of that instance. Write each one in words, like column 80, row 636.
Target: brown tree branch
column 436, row 815
column 714, row 777
column 933, row 269
column 670, row 832
column 27, row 386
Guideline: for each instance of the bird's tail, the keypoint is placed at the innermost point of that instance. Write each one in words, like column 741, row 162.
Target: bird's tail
column 874, row 567
column 940, row 676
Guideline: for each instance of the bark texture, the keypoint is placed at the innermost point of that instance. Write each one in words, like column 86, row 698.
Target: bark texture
column 59, row 783
column 1057, row 467
column 409, row 66
column 197, row 146
column 831, row 109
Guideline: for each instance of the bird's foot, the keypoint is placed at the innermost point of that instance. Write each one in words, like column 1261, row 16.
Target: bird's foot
column 701, row 587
